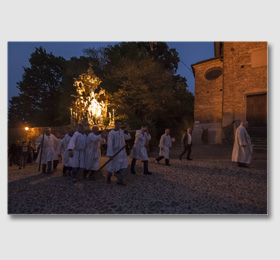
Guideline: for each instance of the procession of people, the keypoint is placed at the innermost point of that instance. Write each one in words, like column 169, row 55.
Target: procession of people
column 80, row 151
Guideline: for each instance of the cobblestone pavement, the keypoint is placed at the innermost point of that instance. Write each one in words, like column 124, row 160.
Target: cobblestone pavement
column 209, row 184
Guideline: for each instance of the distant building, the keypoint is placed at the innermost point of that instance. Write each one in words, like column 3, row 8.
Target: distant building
column 229, row 88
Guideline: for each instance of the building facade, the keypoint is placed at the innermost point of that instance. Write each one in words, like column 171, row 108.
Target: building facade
column 229, row 88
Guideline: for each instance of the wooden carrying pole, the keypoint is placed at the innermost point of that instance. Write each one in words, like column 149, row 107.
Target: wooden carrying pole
column 41, row 150
column 110, row 159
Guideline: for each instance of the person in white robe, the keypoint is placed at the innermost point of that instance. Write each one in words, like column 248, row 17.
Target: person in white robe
column 164, row 145
column 242, row 148
column 55, row 154
column 116, row 141
column 46, row 149
column 139, row 151
column 93, row 152
column 62, row 152
column 77, row 150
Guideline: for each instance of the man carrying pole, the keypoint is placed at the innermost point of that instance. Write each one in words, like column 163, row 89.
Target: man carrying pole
column 115, row 145
column 46, row 143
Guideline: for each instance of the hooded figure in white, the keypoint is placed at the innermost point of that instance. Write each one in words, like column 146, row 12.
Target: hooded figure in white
column 139, row 151
column 50, row 142
column 77, row 150
column 164, row 145
column 62, row 149
column 93, row 152
column 243, row 148
column 116, row 141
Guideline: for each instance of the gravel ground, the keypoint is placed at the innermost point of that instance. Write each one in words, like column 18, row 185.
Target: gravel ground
column 209, row 184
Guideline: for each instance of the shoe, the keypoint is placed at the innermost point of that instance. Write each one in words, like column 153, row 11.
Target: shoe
column 85, row 175
column 122, row 183
column 180, row 158
column 132, row 172
column 168, row 164
column 108, row 180
column 148, row 173
column 243, row 165
column 189, row 159
column 49, row 172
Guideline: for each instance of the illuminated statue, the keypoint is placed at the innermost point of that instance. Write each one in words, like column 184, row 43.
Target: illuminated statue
column 91, row 101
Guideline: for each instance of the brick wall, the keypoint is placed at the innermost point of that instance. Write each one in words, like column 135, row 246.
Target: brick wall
column 240, row 79
column 208, row 94
column 223, row 100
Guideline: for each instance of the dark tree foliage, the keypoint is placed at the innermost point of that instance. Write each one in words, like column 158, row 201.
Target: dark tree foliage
column 40, row 91
column 141, row 81
column 74, row 68
column 144, row 84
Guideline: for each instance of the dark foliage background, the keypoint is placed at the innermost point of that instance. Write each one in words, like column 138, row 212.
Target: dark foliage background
column 142, row 83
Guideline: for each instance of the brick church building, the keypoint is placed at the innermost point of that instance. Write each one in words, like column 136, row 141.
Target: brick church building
column 229, row 88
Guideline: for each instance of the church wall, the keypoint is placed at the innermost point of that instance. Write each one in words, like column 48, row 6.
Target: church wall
column 208, row 94
column 220, row 103
column 245, row 72
column 207, row 103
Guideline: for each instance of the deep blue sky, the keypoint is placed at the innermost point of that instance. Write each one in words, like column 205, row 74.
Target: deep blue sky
column 19, row 54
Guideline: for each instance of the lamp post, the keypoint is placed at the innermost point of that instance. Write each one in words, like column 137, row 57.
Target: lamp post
column 26, row 131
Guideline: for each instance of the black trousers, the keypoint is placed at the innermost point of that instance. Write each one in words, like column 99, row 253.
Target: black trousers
column 55, row 163
column 188, row 150
column 133, row 162
column 65, row 169
column 44, row 166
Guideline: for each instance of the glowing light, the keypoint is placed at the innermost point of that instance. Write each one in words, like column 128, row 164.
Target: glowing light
column 91, row 100
column 26, row 128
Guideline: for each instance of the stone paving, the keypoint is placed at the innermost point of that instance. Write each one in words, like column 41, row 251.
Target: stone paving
column 209, row 184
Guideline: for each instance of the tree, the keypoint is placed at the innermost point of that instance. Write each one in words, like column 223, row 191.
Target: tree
column 40, row 91
column 143, row 83
column 74, row 68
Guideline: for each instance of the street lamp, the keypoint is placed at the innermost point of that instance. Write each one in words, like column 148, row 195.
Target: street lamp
column 26, row 128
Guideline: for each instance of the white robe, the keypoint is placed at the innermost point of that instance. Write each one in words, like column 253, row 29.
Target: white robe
column 56, row 146
column 78, row 145
column 93, row 152
column 50, row 143
column 242, row 154
column 165, row 143
column 115, row 141
column 139, row 150
column 62, row 150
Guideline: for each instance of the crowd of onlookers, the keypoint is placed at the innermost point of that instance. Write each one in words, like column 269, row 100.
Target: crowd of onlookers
column 21, row 153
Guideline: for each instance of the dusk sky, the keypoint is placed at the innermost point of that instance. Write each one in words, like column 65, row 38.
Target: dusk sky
column 19, row 54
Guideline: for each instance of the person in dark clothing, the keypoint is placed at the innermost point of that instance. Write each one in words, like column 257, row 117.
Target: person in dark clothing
column 129, row 143
column 30, row 152
column 23, row 155
column 187, row 143
column 55, row 155
column 13, row 154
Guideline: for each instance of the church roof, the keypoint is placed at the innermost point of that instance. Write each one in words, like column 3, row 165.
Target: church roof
column 204, row 61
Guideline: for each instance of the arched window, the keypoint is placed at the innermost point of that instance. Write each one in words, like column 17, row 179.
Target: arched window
column 213, row 73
